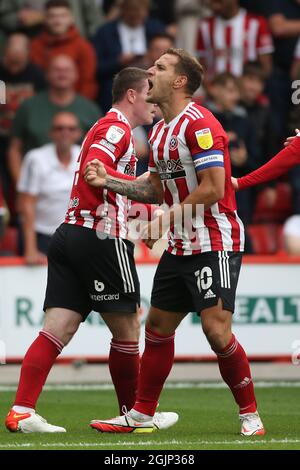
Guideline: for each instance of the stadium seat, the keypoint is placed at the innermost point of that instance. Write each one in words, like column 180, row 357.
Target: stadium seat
column 9, row 243
column 279, row 211
column 266, row 239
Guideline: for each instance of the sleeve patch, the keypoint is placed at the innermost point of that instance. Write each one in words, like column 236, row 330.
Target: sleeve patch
column 204, row 138
column 108, row 145
column 115, row 134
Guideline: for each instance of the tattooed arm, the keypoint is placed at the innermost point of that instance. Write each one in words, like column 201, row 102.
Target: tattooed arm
column 141, row 191
column 147, row 190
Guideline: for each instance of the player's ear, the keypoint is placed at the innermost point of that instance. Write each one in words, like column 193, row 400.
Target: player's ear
column 131, row 96
column 180, row 82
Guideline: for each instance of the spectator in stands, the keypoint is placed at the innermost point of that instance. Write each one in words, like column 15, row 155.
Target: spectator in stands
column 61, row 37
column 284, row 22
column 284, row 18
column 259, row 112
column 262, row 121
column 259, row 7
column 158, row 44
column 111, row 8
column 88, row 16
column 45, row 183
column 232, row 37
column 165, row 12
column 188, row 13
column 22, row 79
column 33, row 119
column 28, row 17
column 225, row 93
column 291, row 233
column 19, row 16
column 121, row 42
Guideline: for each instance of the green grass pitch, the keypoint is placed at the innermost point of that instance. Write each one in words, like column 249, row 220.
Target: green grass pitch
column 208, row 420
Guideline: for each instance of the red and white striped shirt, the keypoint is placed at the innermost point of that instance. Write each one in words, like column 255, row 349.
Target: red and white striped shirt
column 110, row 140
column 191, row 143
column 226, row 45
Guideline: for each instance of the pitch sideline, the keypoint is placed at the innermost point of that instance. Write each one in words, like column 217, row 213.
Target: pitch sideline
column 170, row 386
column 243, row 442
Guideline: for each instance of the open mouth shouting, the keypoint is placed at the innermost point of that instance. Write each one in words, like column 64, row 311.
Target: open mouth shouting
column 150, row 86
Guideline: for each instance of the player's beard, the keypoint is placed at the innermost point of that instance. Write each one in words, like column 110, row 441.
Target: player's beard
column 156, row 99
column 159, row 94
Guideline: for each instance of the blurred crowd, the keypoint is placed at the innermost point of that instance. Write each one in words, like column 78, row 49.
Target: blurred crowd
column 58, row 59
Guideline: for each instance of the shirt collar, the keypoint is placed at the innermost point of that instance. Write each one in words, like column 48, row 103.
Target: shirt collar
column 166, row 125
column 121, row 115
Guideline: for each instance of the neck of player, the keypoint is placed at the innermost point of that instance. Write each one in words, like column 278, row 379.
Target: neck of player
column 171, row 109
column 127, row 112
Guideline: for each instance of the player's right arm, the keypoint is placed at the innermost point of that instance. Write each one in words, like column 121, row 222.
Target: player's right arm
column 277, row 166
column 147, row 190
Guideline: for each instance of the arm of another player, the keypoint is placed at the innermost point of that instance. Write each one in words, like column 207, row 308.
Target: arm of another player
column 92, row 168
column 138, row 210
column 277, row 166
column 148, row 190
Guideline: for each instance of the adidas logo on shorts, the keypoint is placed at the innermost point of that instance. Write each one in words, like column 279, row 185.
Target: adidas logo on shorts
column 209, row 295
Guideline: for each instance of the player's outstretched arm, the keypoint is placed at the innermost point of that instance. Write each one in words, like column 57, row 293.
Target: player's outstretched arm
column 147, row 190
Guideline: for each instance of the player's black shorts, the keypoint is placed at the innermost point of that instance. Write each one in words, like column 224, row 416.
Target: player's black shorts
column 195, row 283
column 86, row 273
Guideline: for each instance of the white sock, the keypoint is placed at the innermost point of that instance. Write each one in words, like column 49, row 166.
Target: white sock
column 140, row 417
column 23, row 409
